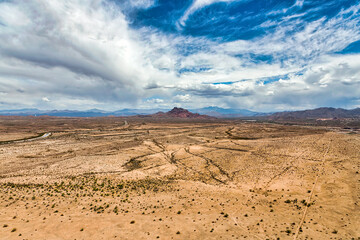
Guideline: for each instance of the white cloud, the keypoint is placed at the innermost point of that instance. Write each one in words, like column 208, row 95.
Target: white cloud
column 300, row 43
column 72, row 48
column 84, row 54
column 299, row 3
column 182, row 98
column 142, row 3
column 195, row 6
column 155, row 100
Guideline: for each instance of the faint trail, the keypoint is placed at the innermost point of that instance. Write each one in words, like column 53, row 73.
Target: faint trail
column 301, row 156
column 276, row 176
column 311, row 194
column 283, row 171
column 239, row 226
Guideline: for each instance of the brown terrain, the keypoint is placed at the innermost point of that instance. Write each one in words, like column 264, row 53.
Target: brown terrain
column 148, row 178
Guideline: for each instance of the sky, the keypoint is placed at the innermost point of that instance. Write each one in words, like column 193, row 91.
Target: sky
column 261, row 55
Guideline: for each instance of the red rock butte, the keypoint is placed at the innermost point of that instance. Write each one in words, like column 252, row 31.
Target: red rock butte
column 181, row 113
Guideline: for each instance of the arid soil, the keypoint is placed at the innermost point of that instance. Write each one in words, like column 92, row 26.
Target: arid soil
column 104, row 178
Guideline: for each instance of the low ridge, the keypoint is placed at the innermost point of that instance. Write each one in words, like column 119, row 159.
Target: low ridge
column 331, row 113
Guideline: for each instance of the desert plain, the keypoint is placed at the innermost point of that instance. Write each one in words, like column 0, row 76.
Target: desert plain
column 138, row 178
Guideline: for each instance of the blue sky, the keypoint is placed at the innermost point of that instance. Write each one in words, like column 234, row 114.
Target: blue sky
column 265, row 55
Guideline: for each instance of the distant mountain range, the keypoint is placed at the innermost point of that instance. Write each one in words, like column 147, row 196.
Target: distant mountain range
column 318, row 113
column 227, row 112
column 210, row 111
column 324, row 113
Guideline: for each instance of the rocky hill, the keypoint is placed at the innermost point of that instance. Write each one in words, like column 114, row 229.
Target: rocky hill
column 180, row 113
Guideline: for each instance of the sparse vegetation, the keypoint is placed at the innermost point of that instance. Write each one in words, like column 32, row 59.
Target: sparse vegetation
column 181, row 176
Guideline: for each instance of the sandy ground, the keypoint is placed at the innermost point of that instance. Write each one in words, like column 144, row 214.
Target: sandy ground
column 101, row 179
